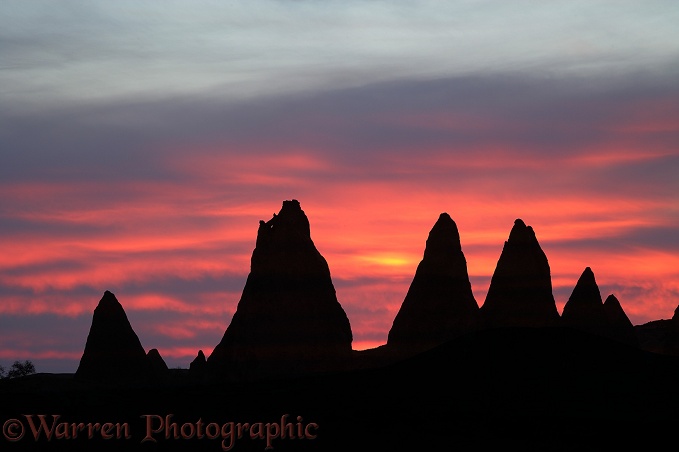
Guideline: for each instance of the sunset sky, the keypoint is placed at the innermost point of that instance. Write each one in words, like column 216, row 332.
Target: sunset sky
column 141, row 142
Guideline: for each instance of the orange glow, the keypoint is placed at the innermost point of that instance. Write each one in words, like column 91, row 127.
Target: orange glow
column 386, row 262
column 364, row 345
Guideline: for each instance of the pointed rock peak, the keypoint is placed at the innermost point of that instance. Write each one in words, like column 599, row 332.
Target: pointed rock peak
column 612, row 301
column 584, row 309
column 619, row 327
column 521, row 233
column 614, row 311
column 155, row 361
column 444, row 218
column 288, row 320
column 444, row 236
column 439, row 304
column 520, row 292
column 109, row 304
column 199, row 364
column 199, row 360
column 586, row 289
column 587, row 277
column 109, row 309
column 444, row 225
column 290, row 207
column 290, row 220
column 112, row 350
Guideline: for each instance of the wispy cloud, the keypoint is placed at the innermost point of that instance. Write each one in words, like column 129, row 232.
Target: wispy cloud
column 92, row 51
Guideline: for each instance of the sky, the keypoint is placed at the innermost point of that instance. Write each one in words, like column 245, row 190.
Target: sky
column 141, row 143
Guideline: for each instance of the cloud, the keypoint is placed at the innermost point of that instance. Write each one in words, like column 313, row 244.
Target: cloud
column 85, row 52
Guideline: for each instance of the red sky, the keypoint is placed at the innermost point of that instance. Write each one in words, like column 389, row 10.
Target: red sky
column 157, row 196
column 174, row 242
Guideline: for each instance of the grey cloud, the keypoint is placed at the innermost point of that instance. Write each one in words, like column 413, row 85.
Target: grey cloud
column 274, row 47
column 535, row 117
column 658, row 238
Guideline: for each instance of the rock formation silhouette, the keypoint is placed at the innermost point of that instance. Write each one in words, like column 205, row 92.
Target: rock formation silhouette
column 439, row 304
column 517, row 388
column 520, row 292
column 198, row 366
column 585, row 309
column 113, row 352
column 620, row 327
column 288, row 320
column 156, row 363
column 660, row 336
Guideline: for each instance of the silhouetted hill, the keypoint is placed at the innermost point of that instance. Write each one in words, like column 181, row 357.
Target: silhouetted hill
column 520, row 292
column 113, row 352
column 288, row 320
column 660, row 336
column 439, row 304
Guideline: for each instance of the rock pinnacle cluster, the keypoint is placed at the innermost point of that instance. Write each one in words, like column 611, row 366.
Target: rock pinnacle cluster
column 289, row 322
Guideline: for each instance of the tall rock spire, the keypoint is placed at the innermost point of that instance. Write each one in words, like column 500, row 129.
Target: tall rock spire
column 520, row 292
column 113, row 352
column 288, row 320
column 439, row 304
